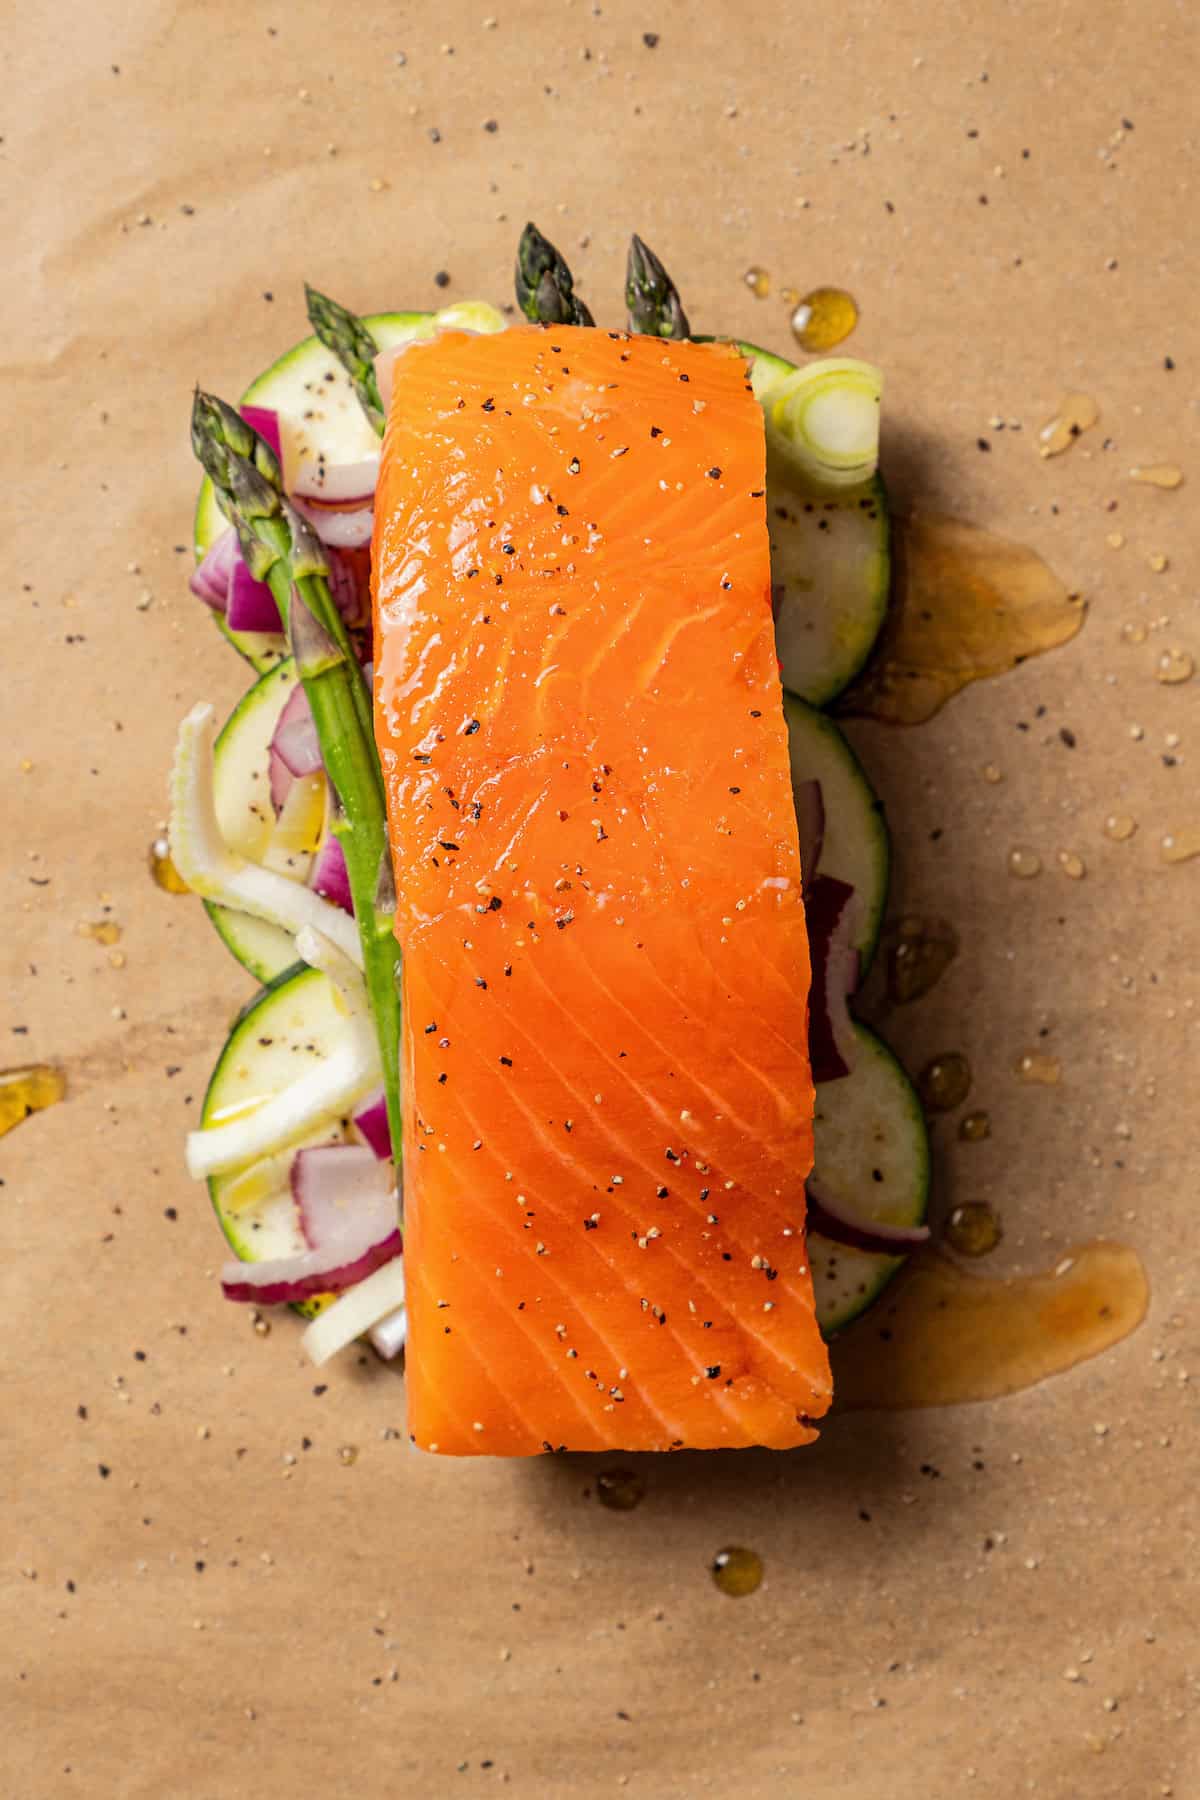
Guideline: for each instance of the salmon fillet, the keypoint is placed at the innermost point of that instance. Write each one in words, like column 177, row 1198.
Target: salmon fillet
column 607, row 1101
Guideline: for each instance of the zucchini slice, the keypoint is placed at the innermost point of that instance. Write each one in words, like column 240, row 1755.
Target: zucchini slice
column 830, row 563
column 871, row 1154
column 242, row 791
column 309, row 390
column 855, row 848
column 295, row 1018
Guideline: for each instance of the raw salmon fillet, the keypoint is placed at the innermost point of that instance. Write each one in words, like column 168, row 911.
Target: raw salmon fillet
column 608, row 1109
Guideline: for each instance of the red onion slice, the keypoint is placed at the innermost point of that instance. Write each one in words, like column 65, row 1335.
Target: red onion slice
column 209, row 581
column 344, row 530
column 295, row 748
column 330, row 877
column 344, row 1196
column 287, row 1279
column 251, row 605
column 827, row 1216
column 348, row 590
column 829, row 907
column 810, row 825
column 371, row 1121
column 265, row 421
column 337, row 484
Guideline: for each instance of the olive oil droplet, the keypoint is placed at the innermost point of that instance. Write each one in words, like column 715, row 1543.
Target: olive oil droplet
column 163, row 871
column 1174, row 665
column 973, row 1229
column 1159, row 475
column 1180, row 846
column 824, row 318
column 1119, row 827
column 952, row 1337
column 620, row 1489
column 944, row 1082
column 919, row 953
column 1133, row 632
column 28, row 1090
column 1042, row 1070
column 1023, row 862
column 736, row 1571
column 1072, row 865
column 758, row 281
column 103, row 931
column 973, row 1127
column 966, row 604
column 1076, row 414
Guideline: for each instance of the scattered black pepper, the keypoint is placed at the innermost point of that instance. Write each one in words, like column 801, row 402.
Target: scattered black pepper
column 442, row 278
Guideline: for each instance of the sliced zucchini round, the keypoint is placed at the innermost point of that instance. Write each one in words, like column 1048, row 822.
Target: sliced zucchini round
column 292, row 1020
column 830, row 562
column 872, row 1155
column 317, row 409
column 241, row 785
column 855, row 847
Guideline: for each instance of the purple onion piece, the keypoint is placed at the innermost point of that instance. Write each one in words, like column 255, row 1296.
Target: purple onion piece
column 330, row 877
column 265, row 421
column 371, row 1121
column 209, row 581
column 830, row 907
column 829, row 1217
column 251, row 605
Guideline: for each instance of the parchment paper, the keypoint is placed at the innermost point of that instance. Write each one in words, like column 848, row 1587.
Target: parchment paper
column 201, row 1595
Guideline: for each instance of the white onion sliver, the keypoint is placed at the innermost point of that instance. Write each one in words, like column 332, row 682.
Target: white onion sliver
column 211, row 869
column 356, row 1312
column 340, row 530
column 327, row 1091
column 343, row 1195
column 388, row 1337
column 337, row 483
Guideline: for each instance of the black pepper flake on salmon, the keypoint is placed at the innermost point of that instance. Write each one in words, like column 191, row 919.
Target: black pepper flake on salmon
column 506, row 1062
column 432, row 1026
column 468, row 730
column 714, row 474
column 564, row 921
column 573, row 466
column 735, row 790
column 713, row 1369
column 480, row 982
column 445, row 844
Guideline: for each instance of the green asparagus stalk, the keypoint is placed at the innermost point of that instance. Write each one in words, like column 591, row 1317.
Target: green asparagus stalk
column 344, row 333
column 545, row 285
column 281, row 548
column 651, row 296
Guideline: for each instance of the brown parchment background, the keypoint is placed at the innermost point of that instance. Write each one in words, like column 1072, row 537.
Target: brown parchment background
column 216, row 1619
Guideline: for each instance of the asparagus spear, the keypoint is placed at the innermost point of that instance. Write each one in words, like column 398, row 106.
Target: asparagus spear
column 281, row 548
column 344, row 333
column 651, row 296
column 545, row 285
